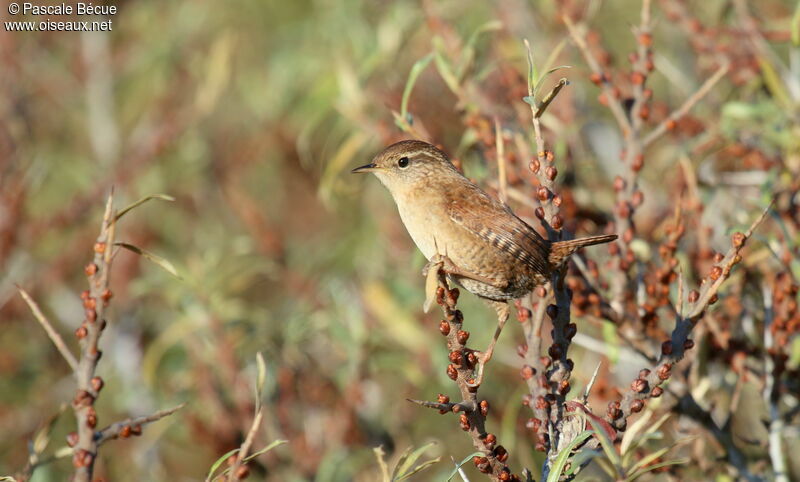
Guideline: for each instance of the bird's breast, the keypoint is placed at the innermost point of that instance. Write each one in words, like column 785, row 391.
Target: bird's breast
column 425, row 220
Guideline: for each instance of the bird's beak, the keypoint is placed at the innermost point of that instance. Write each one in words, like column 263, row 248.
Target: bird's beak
column 365, row 168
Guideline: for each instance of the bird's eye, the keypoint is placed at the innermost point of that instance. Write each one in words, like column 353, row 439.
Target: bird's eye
column 403, row 162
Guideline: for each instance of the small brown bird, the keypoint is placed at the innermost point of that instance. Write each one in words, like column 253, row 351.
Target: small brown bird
column 478, row 241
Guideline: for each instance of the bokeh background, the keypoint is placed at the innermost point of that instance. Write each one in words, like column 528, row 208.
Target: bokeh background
column 251, row 115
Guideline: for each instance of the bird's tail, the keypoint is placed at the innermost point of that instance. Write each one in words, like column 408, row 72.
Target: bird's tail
column 560, row 250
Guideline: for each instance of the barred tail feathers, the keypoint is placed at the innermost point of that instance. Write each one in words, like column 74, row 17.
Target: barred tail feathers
column 561, row 250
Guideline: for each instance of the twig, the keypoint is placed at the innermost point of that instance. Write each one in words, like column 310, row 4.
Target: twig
column 549, row 388
column 442, row 407
column 672, row 351
column 614, row 104
column 95, row 301
column 681, row 111
column 472, row 412
column 545, row 172
column 234, row 474
column 55, row 337
column 132, row 425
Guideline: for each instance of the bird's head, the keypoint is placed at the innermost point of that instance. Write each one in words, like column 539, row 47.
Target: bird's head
column 406, row 164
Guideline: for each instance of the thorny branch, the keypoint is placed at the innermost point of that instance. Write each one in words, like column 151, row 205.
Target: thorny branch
column 471, row 411
column 95, row 301
column 55, row 337
column 547, row 377
column 238, row 470
column 132, row 426
column 86, row 440
column 648, row 384
column 631, row 126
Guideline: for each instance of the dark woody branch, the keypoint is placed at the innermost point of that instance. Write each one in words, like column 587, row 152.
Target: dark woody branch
column 132, row 426
column 648, row 384
column 547, row 377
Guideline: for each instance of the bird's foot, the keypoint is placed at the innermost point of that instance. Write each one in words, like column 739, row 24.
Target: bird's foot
column 439, row 263
column 448, row 266
column 482, row 359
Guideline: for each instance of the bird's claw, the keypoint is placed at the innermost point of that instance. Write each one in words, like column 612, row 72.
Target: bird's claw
column 482, row 359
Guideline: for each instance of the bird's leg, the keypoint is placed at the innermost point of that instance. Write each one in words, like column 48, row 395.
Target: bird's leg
column 503, row 312
column 440, row 262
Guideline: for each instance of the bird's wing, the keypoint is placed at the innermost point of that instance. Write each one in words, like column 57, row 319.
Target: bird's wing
column 494, row 222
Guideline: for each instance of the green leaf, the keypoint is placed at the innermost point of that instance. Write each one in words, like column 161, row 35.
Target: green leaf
column 641, row 464
column 795, row 26
column 444, row 69
column 541, row 81
column 648, row 458
column 219, row 462
column 468, row 53
column 640, row 441
column 582, row 457
column 775, row 84
column 739, row 110
column 532, row 73
column 163, row 263
column 554, row 54
column 408, row 459
column 264, row 450
column 564, row 455
column 606, row 443
column 260, row 378
column 633, row 431
column 163, row 197
column 458, row 465
column 416, row 70
column 657, row 466
column 420, row 468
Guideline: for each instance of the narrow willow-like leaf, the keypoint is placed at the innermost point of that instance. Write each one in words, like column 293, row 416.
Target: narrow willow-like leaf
column 657, row 466
column 163, row 263
column 458, row 465
column 419, row 468
column 416, row 70
column 606, row 443
column 219, row 462
column 633, row 431
column 444, row 69
column 260, row 378
column 468, row 53
column 126, row 210
column 564, row 455
column 409, row 458
column 582, row 457
column 541, row 81
column 266, row 449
